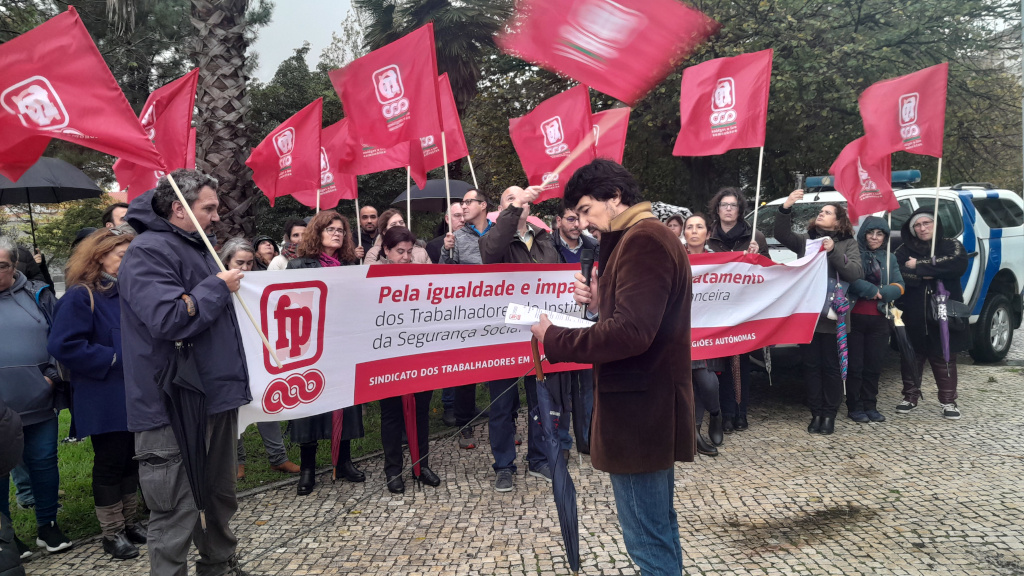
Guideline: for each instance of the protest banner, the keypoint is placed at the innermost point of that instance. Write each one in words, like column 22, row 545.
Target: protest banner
column 356, row 334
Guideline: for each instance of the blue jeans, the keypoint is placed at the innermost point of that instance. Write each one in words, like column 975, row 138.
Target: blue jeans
column 501, row 425
column 448, row 398
column 40, row 458
column 644, row 503
column 23, row 486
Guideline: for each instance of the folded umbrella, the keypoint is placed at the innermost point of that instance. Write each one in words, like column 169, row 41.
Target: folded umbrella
column 547, row 419
column 409, row 413
column 841, row 305
column 941, row 298
column 908, row 365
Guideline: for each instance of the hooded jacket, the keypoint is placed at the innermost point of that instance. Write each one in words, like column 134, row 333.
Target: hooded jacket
column 949, row 265
column 162, row 263
column 843, row 260
column 27, row 311
column 884, row 275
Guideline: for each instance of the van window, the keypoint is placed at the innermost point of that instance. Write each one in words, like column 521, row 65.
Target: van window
column 949, row 215
column 901, row 214
column 999, row 212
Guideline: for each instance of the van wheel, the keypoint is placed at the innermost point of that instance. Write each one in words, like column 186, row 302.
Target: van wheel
column 994, row 330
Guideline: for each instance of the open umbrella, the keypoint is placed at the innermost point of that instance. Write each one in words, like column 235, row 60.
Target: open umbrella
column 185, row 400
column 547, row 419
column 841, row 305
column 899, row 333
column 432, row 197
column 48, row 181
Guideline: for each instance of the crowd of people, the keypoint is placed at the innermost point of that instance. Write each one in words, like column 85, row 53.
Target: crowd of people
column 144, row 285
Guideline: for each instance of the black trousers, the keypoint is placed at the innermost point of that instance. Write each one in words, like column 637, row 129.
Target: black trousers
column 869, row 344
column 392, row 423
column 705, row 393
column 822, row 380
column 465, row 404
column 115, row 472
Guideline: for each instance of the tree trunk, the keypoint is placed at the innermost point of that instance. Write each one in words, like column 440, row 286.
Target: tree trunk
column 223, row 104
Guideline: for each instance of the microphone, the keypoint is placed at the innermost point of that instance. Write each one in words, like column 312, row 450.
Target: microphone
column 586, row 268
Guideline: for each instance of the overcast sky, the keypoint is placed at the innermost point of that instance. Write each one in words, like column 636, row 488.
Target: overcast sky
column 293, row 22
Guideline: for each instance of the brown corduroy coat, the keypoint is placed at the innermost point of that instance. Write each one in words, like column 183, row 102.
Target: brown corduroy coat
column 640, row 348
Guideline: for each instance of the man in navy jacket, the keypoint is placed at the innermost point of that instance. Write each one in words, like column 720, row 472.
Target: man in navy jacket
column 172, row 290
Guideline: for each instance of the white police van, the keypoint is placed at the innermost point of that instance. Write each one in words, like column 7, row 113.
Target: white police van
column 988, row 221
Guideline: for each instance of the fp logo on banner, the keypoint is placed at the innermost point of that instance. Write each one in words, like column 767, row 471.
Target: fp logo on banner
column 387, row 82
column 554, row 136
column 597, row 31
column 36, row 104
column 293, row 320
column 723, row 100
column 909, row 129
column 284, row 143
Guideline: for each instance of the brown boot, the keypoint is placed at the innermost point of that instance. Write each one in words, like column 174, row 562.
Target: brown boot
column 286, row 466
column 241, row 472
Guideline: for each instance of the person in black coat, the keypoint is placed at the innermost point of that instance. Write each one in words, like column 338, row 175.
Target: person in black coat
column 327, row 242
column 10, row 455
column 922, row 273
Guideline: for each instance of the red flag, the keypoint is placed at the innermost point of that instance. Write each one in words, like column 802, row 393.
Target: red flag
column 335, row 185
column 55, row 84
column 610, row 129
column 288, row 160
column 190, row 155
column 549, row 134
column 357, row 158
column 455, row 140
column 622, row 47
column 724, row 104
column 167, row 120
column 390, row 95
column 906, row 113
column 864, row 182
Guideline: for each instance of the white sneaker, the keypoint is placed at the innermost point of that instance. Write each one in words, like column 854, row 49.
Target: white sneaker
column 950, row 412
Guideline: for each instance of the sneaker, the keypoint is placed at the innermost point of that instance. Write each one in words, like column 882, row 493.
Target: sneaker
column 950, row 412
column 503, row 483
column 875, row 415
column 50, row 536
column 905, row 407
column 466, row 438
column 70, row 440
column 543, row 472
column 859, row 416
column 23, row 550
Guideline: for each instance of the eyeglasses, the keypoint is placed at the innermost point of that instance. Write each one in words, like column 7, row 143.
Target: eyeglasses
column 5, row 266
column 332, row 231
column 926, row 224
column 571, row 219
column 471, row 200
column 116, row 231
column 728, row 205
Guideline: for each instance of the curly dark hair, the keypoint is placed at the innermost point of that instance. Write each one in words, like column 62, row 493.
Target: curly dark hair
column 844, row 228
column 311, row 246
column 602, row 180
column 741, row 200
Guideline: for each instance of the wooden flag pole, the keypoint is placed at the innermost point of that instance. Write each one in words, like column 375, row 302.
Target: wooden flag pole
column 202, row 234
column 471, row 172
column 408, row 197
column 757, row 194
column 447, row 185
column 935, row 217
column 359, row 228
column 318, row 201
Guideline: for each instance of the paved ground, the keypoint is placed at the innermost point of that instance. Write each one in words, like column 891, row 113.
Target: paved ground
column 915, row 495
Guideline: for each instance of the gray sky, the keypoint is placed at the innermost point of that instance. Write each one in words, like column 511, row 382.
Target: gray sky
column 293, row 22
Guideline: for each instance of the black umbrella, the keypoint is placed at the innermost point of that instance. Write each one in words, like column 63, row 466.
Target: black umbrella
column 432, row 197
column 908, row 365
column 185, row 400
column 562, row 486
column 48, row 181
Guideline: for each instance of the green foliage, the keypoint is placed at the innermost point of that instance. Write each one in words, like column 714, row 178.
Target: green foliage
column 55, row 237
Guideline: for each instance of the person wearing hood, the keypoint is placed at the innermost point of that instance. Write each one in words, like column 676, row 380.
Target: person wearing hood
column 869, row 330
column 28, row 376
column 293, row 230
column 172, row 290
column 922, row 272
column 820, row 357
column 266, row 250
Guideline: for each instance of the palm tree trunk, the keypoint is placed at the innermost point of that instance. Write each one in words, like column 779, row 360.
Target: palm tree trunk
column 223, row 104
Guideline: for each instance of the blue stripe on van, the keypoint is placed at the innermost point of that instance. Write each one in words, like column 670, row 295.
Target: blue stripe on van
column 995, row 259
column 970, row 216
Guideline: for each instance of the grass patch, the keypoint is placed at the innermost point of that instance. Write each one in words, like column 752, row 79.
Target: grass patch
column 78, row 519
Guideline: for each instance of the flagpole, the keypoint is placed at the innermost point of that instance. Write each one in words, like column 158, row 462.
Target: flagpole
column 202, row 234
column 757, row 194
column 447, row 185
column 318, row 201
column 471, row 172
column 935, row 217
column 888, row 246
column 408, row 197
column 359, row 231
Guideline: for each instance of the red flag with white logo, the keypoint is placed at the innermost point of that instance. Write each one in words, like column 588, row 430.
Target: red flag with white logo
column 549, row 134
column 288, row 160
column 390, row 95
column 167, row 120
column 455, row 140
column 335, row 185
column 55, row 84
column 723, row 104
column 863, row 181
column 622, row 47
column 907, row 113
column 610, row 129
column 360, row 159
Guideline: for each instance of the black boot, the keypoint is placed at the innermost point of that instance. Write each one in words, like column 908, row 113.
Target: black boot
column 396, row 485
column 307, row 479
column 427, row 477
column 703, row 447
column 348, row 471
column 815, row 426
column 828, row 425
column 727, row 424
column 715, row 431
column 120, row 547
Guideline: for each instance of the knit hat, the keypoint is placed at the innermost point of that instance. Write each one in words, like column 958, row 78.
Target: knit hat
column 915, row 218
